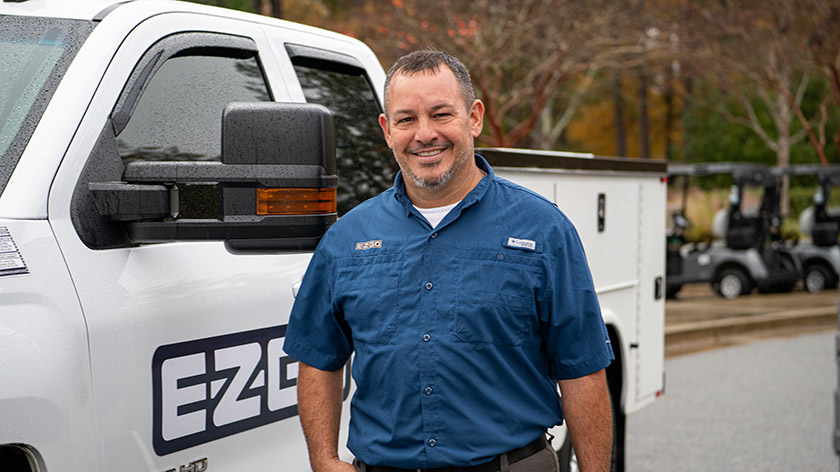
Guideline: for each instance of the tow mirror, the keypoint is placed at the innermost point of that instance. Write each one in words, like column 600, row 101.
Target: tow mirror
column 277, row 183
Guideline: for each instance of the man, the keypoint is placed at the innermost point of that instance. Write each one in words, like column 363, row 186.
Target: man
column 464, row 297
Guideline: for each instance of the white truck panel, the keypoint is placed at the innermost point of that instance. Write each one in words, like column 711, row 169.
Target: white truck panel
column 45, row 390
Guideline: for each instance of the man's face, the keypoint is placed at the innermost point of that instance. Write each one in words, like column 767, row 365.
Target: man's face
column 430, row 128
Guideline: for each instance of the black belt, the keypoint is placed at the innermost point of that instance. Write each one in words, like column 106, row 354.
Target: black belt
column 492, row 466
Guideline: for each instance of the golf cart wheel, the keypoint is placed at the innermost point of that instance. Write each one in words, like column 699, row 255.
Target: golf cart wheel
column 818, row 277
column 732, row 283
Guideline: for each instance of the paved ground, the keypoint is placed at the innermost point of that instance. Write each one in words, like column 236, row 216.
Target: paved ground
column 762, row 406
column 699, row 320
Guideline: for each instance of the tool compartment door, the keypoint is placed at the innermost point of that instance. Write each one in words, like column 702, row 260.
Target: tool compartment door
column 651, row 294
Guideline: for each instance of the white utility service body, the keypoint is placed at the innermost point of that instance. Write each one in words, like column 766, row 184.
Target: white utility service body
column 137, row 340
column 616, row 207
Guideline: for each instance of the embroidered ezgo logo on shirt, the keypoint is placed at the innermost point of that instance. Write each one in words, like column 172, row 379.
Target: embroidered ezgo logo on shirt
column 522, row 243
column 369, row 245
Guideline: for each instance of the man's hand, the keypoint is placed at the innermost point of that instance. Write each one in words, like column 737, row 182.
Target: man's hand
column 335, row 465
column 319, row 405
column 586, row 406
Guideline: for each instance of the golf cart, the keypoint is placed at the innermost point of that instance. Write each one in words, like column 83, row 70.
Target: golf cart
column 819, row 256
column 748, row 252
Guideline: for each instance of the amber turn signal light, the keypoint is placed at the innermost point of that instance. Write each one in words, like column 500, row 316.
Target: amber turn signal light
column 296, row 201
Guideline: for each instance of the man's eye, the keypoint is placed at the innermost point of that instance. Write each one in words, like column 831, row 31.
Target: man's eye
column 404, row 120
column 443, row 115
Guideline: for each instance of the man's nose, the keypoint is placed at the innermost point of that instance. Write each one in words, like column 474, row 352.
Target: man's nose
column 426, row 131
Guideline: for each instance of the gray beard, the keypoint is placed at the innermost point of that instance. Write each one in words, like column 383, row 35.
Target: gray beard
column 444, row 179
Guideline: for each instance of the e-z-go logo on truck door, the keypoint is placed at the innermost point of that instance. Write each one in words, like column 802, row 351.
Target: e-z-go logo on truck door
column 211, row 388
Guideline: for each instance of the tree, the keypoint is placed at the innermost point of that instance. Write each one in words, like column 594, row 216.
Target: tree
column 630, row 69
column 752, row 49
column 269, row 8
column 531, row 60
column 823, row 51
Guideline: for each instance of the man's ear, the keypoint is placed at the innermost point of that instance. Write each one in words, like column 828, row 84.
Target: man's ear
column 477, row 118
column 386, row 128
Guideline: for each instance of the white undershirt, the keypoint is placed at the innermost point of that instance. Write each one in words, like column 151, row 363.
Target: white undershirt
column 435, row 215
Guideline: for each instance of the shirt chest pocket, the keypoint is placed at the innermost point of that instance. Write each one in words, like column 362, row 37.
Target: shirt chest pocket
column 368, row 292
column 497, row 295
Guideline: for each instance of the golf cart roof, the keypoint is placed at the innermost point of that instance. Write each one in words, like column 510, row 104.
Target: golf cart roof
column 742, row 172
column 829, row 174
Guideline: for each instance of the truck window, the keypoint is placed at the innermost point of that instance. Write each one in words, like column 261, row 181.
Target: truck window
column 34, row 53
column 365, row 165
column 178, row 116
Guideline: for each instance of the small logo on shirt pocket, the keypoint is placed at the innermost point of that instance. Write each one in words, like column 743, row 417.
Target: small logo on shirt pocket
column 522, row 244
column 375, row 244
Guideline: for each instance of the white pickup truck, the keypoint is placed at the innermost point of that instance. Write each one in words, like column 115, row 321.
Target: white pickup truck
column 165, row 171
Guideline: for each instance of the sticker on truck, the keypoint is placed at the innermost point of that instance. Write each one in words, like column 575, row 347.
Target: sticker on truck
column 211, row 388
column 11, row 261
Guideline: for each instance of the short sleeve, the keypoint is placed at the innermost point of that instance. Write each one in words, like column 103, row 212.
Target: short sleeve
column 317, row 334
column 577, row 343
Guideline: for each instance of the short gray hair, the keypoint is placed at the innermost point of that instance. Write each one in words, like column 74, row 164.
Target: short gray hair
column 430, row 60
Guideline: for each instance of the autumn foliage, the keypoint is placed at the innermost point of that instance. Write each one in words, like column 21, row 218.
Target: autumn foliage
column 622, row 77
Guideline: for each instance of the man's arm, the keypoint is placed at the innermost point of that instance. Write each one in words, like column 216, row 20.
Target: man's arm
column 319, row 405
column 586, row 406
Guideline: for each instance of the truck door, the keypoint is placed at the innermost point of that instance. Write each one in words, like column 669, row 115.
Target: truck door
column 186, row 338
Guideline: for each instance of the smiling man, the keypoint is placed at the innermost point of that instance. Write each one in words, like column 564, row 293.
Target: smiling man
column 431, row 132
column 466, row 300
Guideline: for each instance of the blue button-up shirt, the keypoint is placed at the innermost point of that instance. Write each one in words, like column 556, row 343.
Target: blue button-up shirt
column 460, row 331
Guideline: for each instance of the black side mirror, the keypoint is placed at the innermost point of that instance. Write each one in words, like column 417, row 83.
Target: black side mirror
column 277, row 183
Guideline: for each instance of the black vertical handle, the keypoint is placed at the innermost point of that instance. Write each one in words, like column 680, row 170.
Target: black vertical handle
column 602, row 211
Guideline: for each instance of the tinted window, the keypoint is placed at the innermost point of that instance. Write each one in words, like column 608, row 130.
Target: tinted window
column 179, row 115
column 365, row 164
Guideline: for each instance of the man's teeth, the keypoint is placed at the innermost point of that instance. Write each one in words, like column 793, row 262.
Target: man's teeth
column 428, row 153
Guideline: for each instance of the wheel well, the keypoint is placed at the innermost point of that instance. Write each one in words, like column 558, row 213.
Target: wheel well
column 817, row 261
column 732, row 265
column 17, row 458
column 831, row 275
column 615, row 373
column 615, row 382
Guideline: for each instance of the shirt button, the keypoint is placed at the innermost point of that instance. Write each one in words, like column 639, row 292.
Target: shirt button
column 500, row 257
column 434, row 235
column 429, row 285
column 432, row 442
column 427, row 337
column 428, row 390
